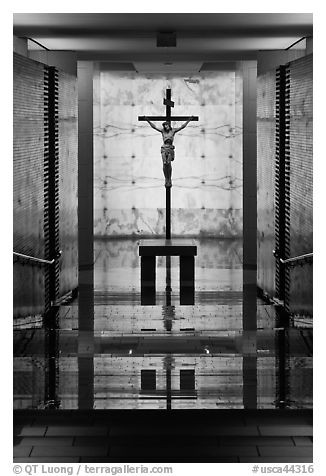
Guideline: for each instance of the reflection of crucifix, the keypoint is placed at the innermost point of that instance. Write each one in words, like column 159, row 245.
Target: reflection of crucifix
column 167, row 149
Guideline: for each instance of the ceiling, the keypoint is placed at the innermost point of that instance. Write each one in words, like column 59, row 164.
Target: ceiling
column 132, row 36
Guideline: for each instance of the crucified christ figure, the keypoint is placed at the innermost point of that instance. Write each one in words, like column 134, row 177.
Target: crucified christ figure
column 167, row 149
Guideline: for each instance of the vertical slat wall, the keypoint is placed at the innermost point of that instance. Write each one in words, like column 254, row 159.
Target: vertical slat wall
column 287, row 187
column 285, row 183
column 46, row 175
column 282, row 184
column 68, row 173
column 28, row 184
column 301, row 179
column 266, row 96
column 53, row 189
column 45, row 185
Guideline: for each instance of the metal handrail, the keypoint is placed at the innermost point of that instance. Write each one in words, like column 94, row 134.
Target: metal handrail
column 38, row 260
column 294, row 259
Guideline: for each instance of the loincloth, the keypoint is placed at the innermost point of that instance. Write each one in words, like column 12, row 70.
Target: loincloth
column 167, row 152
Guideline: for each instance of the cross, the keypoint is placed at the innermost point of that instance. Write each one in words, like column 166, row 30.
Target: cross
column 168, row 103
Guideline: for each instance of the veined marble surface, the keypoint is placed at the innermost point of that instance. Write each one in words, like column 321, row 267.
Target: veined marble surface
column 207, row 172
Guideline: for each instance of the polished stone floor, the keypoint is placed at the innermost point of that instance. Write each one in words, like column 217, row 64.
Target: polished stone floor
column 227, row 350
column 199, row 436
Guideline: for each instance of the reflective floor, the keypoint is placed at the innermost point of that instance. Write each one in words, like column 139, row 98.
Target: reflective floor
column 107, row 351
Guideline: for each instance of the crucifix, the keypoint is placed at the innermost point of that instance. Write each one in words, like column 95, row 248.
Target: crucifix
column 167, row 149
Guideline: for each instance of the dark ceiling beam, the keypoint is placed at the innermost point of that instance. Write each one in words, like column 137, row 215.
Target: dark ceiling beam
column 198, row 32
column 163, row 57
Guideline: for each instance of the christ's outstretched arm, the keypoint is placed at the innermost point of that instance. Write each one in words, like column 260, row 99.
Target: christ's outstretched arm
column 177, row 129
column 153, row 125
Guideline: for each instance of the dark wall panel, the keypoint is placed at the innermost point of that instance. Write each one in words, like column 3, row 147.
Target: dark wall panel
column 68, row 173
column 301, row 181
column 266, row 95
column 28, row 183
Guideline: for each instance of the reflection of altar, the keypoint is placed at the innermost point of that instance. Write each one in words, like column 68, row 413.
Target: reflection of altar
column 185, row 249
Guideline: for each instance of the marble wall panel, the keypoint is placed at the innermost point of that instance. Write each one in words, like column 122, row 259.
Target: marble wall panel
column 68, row 172
column 129, row 191
column 266, row 136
